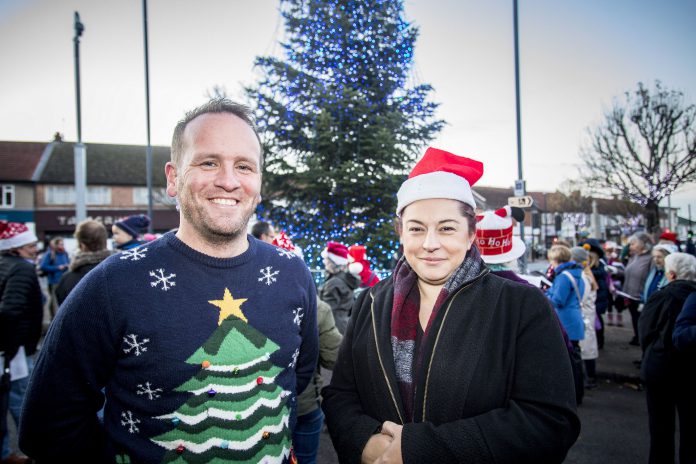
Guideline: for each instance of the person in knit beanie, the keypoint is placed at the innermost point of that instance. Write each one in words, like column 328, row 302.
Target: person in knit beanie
column 126, row 232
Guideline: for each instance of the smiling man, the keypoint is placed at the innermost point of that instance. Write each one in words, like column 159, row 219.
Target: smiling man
column 198, row 341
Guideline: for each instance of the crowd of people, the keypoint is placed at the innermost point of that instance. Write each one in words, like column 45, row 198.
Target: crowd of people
column 209, row 342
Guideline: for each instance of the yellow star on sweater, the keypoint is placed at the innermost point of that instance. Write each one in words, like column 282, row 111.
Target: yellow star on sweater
column 229, row 306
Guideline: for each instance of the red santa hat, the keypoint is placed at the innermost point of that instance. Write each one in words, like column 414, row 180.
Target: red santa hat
column 15, row 235
column 667, row 235
column 494, row 237
column 283, row 241
column 336, row 252
column 440, row 174
column 356, row 256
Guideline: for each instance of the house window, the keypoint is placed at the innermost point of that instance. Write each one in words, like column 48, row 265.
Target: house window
column 65, row 195
column 159, row 196
column 8, row 196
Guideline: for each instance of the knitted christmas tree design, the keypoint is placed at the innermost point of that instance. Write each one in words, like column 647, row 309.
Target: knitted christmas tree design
column 236, row 412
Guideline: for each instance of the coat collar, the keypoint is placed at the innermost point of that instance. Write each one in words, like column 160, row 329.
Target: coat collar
column 382, row 296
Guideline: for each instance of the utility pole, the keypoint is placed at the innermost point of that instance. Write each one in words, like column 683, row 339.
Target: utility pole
column 520, row 189
column 80, row 151
column 150, row 227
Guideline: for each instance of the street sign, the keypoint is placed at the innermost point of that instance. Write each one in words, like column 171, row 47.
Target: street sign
column 520, row 189
column 521, row 202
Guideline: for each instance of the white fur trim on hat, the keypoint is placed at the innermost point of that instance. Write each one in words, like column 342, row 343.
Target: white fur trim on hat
column 339, row 260
column 438, row 184
column 19, row 240
column 355, row 268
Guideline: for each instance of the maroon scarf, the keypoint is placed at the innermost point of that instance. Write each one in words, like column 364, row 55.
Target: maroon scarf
column 404, row 319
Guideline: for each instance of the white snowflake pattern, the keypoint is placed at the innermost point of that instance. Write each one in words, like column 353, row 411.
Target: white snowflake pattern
column 297, row 316
column 148, row 390
column 267, row 275
column 130, row 421
column 134, row 254
column 134, row 345
column 166, row 281
column 295, row 355
column 287, row 253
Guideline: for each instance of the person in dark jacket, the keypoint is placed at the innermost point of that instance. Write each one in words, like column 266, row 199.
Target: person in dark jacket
column 443, row 361
column 669, row 374
column 339, row 285
column 21, row 314
column 91, row 239
column 684, row 335
column 126, row 232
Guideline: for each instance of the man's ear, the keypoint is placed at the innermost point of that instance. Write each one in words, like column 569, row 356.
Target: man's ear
column 171, row 173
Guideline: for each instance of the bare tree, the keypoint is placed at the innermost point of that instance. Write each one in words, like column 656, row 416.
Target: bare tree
column 645, row 149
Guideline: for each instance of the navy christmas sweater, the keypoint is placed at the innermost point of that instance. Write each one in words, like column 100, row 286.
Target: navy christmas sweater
column 200, row 359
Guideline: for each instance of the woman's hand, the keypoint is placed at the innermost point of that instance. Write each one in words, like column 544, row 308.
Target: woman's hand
column 375, row 447
column 392, row 454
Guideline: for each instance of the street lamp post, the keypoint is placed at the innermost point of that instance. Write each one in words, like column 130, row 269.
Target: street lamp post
column 147, row 117
column 80, row 151
column 520, row 189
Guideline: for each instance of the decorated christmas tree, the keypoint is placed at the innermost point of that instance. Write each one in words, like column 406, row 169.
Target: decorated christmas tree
column 236, row 412
column 342, row 122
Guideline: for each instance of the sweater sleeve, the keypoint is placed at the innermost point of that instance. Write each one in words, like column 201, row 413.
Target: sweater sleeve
column 59, row 419
column 329, row 336
column 684, row 335
column 309, row 349
column 539, row 422
column 560, row 291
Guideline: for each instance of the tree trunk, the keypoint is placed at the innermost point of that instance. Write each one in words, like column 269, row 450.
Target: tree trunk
column 652, row 216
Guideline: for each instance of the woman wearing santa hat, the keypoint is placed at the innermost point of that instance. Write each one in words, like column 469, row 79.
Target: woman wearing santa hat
column 21, row 314
column 443, row 361
column 339, row 285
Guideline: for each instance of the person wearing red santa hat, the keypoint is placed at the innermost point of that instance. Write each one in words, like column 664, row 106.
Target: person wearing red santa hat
column 443, row 361
column 339, row 285
column 670, row 239
column 359, row 266
column 21, row 314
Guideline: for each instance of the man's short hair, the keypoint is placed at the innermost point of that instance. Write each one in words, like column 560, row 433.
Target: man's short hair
column 260, row 228
column 92, row 234
column 216, row 105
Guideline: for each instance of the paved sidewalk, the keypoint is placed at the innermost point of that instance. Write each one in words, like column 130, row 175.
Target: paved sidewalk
column 616, row 360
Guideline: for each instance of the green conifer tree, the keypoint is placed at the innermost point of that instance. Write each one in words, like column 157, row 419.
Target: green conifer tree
column 341, row 123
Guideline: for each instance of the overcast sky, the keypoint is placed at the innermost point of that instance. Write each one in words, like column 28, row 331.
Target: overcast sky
column 575, row 57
